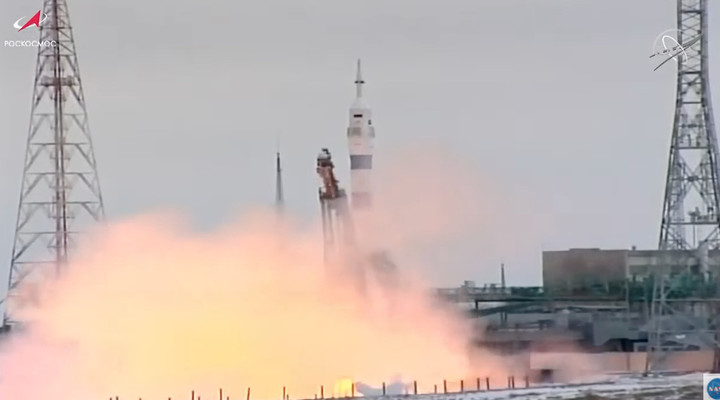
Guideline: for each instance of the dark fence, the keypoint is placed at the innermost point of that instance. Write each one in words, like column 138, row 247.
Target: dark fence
column 414, row 388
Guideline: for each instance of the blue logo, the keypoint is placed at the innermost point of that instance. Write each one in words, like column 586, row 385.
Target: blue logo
column 713, row 388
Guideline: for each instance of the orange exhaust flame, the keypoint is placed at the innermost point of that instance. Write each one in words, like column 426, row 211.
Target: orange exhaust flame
column 149, row 309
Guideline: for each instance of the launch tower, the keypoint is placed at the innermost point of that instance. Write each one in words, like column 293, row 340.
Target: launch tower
column 690, row 225
column 338, row 230
column 60, row 190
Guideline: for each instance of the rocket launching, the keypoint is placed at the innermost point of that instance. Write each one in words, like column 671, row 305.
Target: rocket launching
column 352, row 222
column 360, row 134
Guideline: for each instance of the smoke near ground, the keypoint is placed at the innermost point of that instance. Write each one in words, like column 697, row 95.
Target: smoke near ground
column 150, row 309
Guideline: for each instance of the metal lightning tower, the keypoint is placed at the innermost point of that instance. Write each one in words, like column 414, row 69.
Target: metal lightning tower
column 60, row 190
column 691, row 211
column 279, row 195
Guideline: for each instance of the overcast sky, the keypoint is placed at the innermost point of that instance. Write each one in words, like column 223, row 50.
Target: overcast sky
column 553, row 100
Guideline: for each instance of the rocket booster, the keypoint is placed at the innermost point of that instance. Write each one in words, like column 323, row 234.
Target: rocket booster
column 361, row 135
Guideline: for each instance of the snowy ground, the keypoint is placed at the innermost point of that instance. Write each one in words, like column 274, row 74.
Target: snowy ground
column 679, row 387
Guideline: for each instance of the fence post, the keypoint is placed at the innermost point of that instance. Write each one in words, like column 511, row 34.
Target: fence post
column 512, row 379
column 284, row 393
column 221, row 394
column 383, row 388
column 352, row 390
column 527, row 381
column 462, row 386
column 487, row 383
column 192, row 395
column 322, row 391
column 445, row 386
column 415, row 387
column 248, row 394
column 435, row 388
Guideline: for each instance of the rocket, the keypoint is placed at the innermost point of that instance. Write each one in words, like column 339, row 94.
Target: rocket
column 361, row 135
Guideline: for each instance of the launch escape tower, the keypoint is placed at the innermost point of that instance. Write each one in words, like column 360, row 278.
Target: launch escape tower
column 690, row 224
column 60, row 191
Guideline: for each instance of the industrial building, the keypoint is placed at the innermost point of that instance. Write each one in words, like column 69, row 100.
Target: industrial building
column 588, row 271
column 595, row 300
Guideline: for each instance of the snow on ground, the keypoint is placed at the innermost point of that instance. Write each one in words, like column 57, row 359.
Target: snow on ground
column 677, row 387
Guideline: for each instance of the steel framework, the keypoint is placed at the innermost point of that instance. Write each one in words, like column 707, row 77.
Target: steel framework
column 60, row 190
column 690, row 226
column 338, row 231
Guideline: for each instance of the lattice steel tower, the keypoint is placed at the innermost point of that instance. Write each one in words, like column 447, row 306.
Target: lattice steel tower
column 60, row 191
column 690, row 225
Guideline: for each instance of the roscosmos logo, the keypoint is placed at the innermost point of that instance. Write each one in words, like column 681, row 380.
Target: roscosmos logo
column 38, row 19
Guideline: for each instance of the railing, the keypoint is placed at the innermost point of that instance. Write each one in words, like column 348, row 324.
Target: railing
column 520, row 294
column 412, row 389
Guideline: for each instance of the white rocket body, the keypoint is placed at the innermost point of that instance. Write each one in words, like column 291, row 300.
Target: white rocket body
column 361, row 135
